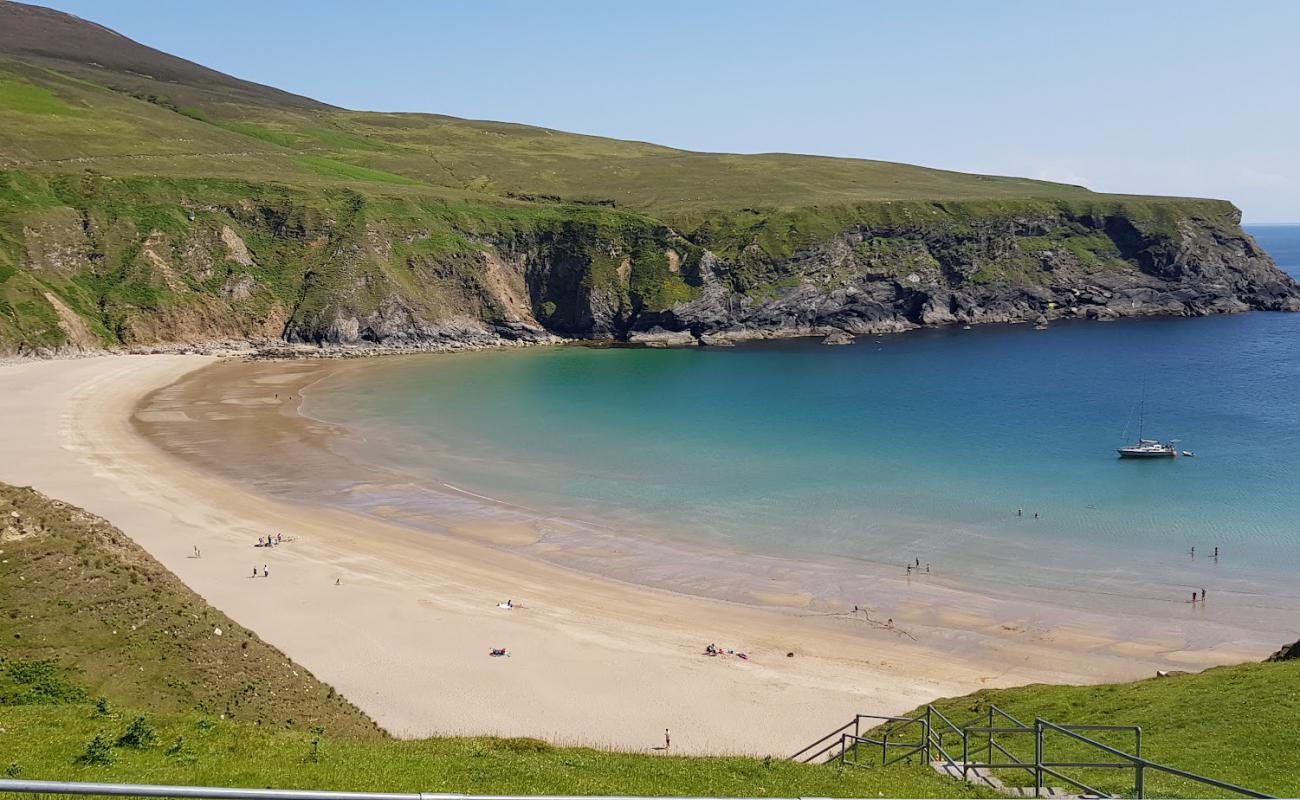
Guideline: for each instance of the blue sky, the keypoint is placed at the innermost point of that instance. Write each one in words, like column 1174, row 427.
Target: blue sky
column 1191, row 97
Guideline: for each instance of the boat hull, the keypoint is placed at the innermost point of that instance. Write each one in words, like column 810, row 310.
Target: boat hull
column 1145, row 454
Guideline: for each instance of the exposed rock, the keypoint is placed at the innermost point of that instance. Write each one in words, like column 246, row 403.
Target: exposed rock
column 236, row 250
column 838, row 338
column 1289, row 652
column 658, row 337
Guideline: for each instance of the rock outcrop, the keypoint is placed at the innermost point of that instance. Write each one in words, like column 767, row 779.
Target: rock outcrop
column 1289, row 652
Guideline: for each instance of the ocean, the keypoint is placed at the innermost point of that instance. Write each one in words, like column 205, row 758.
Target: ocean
column 988, row 453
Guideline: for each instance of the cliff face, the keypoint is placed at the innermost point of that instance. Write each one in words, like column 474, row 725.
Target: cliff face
column 112, row 262
column 1016, row 267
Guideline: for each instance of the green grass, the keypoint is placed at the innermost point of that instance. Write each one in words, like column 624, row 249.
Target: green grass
column 26, row 98
column 1237, row 724
column 331, row 168
column 44, row 742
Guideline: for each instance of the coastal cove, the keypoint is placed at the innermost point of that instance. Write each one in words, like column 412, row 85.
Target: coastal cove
column 802, row 477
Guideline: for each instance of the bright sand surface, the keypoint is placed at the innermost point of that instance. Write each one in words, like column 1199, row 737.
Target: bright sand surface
column 592, row 661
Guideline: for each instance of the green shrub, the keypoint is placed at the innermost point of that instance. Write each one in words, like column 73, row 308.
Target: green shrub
column 98, row 752
column 138, row 735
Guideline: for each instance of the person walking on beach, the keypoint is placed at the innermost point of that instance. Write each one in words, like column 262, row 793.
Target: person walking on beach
column 927, row 568
column 1193, row 597
column 1193, row 551
column 909, row 570
column 668, row 740
column 1216, row 552
column 254, row 570
column 1202, row 595
column 197, row 554
column 266, row 571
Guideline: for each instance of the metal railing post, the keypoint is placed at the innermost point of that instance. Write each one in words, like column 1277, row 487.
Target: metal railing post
column 965, row 753
column 928, row 754
column 989, row 758
column 1140, row 786
column 1038, row 758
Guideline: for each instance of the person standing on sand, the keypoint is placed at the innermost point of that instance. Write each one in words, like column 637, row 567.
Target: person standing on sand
column 1193, row 597
column 254, row 570
column 668, row 740
column 266, row 571
column 1202, row 595
column 1020, row 512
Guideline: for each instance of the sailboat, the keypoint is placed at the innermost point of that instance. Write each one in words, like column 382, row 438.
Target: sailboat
column 1147, row 448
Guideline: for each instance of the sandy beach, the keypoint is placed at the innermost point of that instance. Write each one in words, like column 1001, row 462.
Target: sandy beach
column 401, row 621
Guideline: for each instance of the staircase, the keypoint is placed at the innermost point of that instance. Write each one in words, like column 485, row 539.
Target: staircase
column 955, row 751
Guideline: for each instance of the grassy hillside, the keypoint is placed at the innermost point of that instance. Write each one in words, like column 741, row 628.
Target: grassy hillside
column 1237, row 724
column 112, row 671
column 89, row 614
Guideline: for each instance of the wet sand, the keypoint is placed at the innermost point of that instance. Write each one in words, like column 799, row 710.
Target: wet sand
column 407, row 632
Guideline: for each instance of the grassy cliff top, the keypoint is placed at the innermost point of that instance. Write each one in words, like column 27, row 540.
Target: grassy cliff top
column 77, row 96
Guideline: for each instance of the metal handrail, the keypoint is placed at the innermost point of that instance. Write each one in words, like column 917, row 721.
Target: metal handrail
column 836, row 737
column 995, row 710
column 932, row 742
column 885, row 760
column 835, row 733
column 965, row 742
column 1146, row 763
column 231, row 793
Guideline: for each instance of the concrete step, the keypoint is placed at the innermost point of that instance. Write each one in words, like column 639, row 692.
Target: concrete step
column 980, row 777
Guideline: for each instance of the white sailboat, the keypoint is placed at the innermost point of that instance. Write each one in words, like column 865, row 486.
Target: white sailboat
column 1147, row 448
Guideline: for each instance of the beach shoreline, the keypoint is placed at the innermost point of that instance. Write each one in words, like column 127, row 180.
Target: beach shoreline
column 406, row 632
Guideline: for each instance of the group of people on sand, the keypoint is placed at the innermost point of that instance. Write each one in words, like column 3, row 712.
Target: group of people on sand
column 714, row 650
column 917, row 566
column 269, row 540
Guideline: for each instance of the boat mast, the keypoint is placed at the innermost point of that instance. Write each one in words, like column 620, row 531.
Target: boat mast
column 1142, row 407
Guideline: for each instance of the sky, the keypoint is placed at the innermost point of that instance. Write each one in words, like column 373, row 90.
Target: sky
column 1180, row 97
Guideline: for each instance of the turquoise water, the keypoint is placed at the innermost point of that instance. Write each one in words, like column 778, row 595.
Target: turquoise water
column 915, row 445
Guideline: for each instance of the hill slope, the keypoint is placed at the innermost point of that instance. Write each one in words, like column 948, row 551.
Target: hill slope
column 89, row 614
column 144, row 198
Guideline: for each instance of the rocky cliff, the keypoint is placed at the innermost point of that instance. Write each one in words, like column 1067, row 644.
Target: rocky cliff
column 106, row 262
